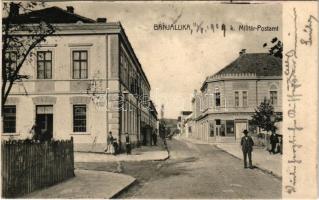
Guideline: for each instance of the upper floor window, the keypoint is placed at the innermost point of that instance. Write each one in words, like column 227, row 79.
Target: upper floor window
column 9, row 119
column 44, row 64
column 80, row 64
column 273, row 97
column 79, row 118
column 11, row 60
column 217, row 99
column 245, row 101
column 236, row 99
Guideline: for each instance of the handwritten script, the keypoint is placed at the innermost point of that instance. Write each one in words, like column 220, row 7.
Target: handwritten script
column 294, row 97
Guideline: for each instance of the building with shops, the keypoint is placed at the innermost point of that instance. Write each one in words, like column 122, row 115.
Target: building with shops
column 85, row 81
column 227, row 100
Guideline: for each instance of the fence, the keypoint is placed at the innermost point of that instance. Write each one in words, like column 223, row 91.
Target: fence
column 28, row 165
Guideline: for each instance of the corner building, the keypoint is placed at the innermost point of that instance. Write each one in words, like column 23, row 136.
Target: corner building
column 227, row 100
column 85, row 81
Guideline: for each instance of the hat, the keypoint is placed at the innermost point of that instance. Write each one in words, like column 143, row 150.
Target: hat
column 245, row 131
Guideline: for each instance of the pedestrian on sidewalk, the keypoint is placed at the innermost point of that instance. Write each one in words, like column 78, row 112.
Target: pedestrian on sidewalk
column 273, row 141
column 109, row 142
column 154, row 135
column 247, row 144
column 127, row 143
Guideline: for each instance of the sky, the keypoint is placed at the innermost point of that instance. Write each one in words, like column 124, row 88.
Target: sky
column 177, row 62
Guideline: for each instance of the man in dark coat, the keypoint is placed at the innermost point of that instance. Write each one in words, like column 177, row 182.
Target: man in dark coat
column 273, row 141
column 127, row 143
column 247, row 144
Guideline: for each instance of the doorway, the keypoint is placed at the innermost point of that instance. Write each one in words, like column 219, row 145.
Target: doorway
column 44, row 121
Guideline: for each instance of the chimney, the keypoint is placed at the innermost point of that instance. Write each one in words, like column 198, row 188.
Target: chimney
column 101, row 20
column 70, row 9
column 14, row 9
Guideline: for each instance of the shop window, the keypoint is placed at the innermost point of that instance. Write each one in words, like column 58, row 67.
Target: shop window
column 230, row 127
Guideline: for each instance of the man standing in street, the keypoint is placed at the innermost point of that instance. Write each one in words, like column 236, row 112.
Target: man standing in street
column 128, row 144
column 273, row 141
column 247, row 144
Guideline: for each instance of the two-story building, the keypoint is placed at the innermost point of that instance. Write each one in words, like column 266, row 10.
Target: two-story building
column 85, row 81
column 228, row 99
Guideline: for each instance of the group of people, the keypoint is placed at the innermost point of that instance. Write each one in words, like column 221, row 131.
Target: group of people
column 275, row 143
column 112, row 145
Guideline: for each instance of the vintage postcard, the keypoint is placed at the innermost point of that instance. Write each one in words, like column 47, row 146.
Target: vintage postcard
column 159, row 99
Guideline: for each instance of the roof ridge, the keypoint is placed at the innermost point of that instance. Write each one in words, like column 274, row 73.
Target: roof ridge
column 77, row 15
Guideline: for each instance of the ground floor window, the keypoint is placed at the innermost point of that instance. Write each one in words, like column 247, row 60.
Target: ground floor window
column 9, row 119
column 230, row 127
column 79, row 118
column 211, row 130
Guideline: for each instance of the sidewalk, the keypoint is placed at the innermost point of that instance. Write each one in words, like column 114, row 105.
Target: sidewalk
column 261, row 158
column 86, row 184
column 143, row 153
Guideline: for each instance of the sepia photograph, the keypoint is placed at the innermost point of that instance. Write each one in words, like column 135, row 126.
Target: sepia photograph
column 145, row 100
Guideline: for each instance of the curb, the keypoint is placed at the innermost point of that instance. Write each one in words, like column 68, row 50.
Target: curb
column 114, row 196
column 257, row 166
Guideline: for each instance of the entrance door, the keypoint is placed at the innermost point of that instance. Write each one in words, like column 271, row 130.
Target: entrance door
column 44, row 121
column 240, row 127
column 217, row 130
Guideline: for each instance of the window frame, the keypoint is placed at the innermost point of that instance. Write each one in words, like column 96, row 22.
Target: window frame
column 236, row 99
column 15, row 120
column 10, row 61
column 243, row 102
column 219, row 98
column 73, row 119
column 44, row 61
column 271, row 99
column 79, row 60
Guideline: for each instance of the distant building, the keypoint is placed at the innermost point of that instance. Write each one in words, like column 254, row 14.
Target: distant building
column 84, row 82
column 227, row 100
column 182, row 122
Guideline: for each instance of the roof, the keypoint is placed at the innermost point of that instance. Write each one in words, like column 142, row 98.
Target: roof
column 53, row 15
column 261, row 64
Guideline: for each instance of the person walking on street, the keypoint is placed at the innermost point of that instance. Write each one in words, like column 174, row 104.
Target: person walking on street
column 109, row 142
column 127, row 143
column 247, row 144
column 154, row 138
column 273, row 141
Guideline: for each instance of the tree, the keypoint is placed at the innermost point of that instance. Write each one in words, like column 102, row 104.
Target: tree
column 276, row 48
column 265, row 117
column 19, row 38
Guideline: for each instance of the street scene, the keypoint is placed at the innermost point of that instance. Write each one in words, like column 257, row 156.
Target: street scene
column 141, row 100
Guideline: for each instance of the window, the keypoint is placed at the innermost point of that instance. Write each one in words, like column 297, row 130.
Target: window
column 245, row 103
column 273, row 97
column 236, row 99
column 44, row 64
column 79, row 118
column 217, row 99
column 80, row 64
column 9, row 119
column 11, row 60
column 211, row 132
column 230, row 127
